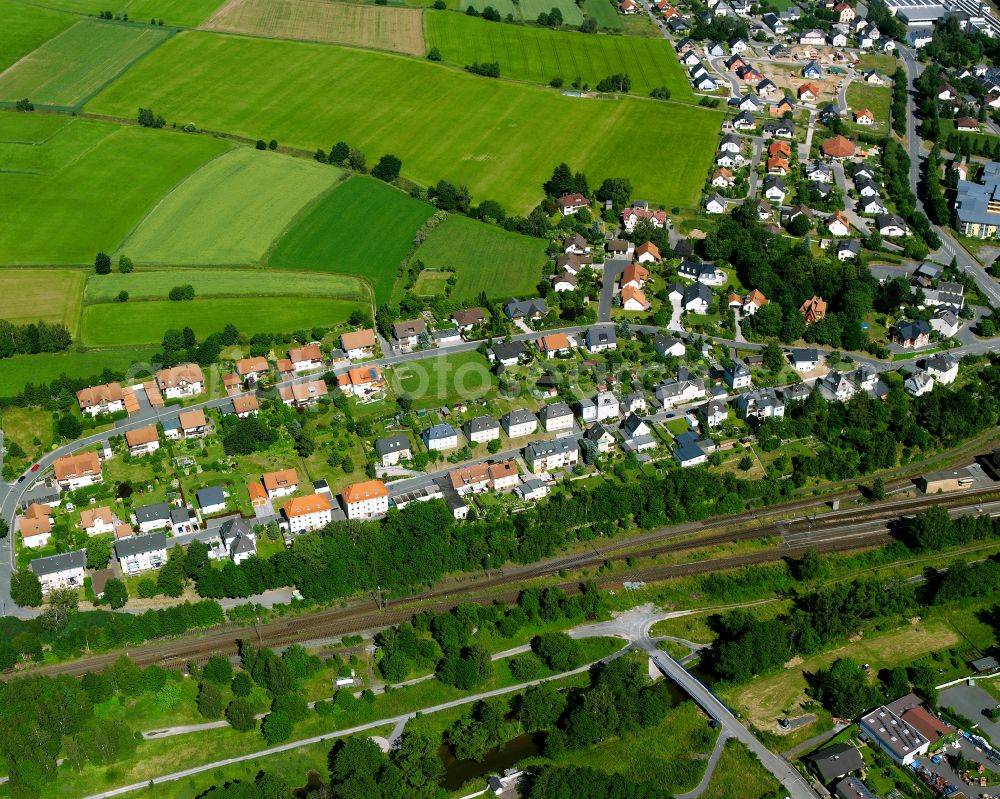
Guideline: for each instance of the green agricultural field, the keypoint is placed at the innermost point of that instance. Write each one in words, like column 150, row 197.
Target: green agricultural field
column 43, row 144
column 230, row 210
column 156, row 284
column 17, row 372
column 505, row 7
column 539, row 55
column 363, row 227
column 91, row 202
column 434, row 382
column 184, row 13
column 572, row 15
column 41, row 295
column 110, row 324
column 71, row 67
column 25, row 28
column 501, row 139
column 484, row 258
column 605, row 12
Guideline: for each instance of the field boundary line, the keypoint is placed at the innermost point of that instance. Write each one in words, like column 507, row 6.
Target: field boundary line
column 265, row 259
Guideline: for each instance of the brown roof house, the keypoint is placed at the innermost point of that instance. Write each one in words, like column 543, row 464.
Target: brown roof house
column 838, row 147
column 181, row 381
column 359, row 344
column 307, row 358
column 96, row 400
column 813, row 309
column 77, row 471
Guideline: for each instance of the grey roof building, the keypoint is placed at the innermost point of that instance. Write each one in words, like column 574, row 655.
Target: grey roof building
column 213, row 495
column 557, row 410
column 852, row 788
column 140, row 544
column 516, row 309
column 836, row 762
column 601, row 336
column 387, row 445
column 977, row 205
column 544, row 449
column 518, row 416
column 160, row 512
column 53, row 564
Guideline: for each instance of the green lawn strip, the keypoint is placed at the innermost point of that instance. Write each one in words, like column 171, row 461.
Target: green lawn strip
column 484, row 258
column 156, row 284
column 72, row 66
column 495, row 136
column 26, row 28
column 446, row 380
column 20, row 370
column 884, row 63
column 739, row 773
column 229, row 211
column 540, row 54
column 363, row 227
column 55, row 220
column 46, row 295
column 109, row 324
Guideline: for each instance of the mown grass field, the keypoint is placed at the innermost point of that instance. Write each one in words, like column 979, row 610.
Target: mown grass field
column 434, row 382
column 26, row 28
column 501, row 139
column 539, row 55
column 42, row 144
column 93, row 198
column 484, row 258
column 230, row 210
column 380, row 27
column 111, row 324
column 20, row 370
column 46, row 295
column 156, row 284
column 505, row 7
column 68, row 68
column 363, row 227
column 605, row 13
column 185, row 13
column 571, row 13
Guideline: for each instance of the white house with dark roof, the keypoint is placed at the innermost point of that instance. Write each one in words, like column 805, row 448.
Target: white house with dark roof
column 520, row 422
column 482, row 429
column 544, row 456
column 393, row 449
column 898, row 739
column 65, row 570
column 440, row 437
column 556, row 417
column 141, row 552
column 152, row 517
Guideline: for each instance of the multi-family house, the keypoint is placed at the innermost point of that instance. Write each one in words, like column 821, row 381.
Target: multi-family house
column 366, row 500
column 556, row 417
column 543, row 456
column 308, row 513
column 63, row 571
column 97, row 521
column 141, row 553
column 482, row 429
column 182, row 381
column 440, row 437
column 78, row 471
column 519, row 422
column 107, row 398
column 142, row 441
column 393, row 449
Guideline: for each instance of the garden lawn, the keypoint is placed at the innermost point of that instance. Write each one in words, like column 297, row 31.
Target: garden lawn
column 90, row 203
column 17, row 372
column 112, row 324
column 874, row 98
column 381, row 27
column 230, row 210
column 484, row 258
column 431, row 283
column 363, row 227
column 156, row 284
column 26, row 28
column 71, row 67
column 539, row 55
column 433, row 382
column 883, row 62
column 499, row 138
column 46, row 295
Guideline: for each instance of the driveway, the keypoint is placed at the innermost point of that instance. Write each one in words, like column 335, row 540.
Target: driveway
column 613, row 267
column 971, row 701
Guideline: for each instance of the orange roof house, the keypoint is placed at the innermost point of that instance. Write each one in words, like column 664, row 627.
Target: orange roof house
column 838, row 147
column 76, row 466
column 251, row 366
column 306, row 354
column 192, row 420
column 359, row 492
column 100, row 395
column 142, row 436
column 813, row 309
column 302, row 506
column 635, row 296
column 554, row 342
column 780, row 149
column 807, row 90
column 281, row 480
column 358, row 340
column 864, row 117
column 634, row 275
column 258, row 496
column 777, row 166
column 651, row 249
column 756, row 297
column 246, row 404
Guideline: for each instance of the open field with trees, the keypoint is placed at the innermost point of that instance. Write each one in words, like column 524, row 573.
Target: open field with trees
column 184, row 13
column 539, row 55
column 20, row 370
column 67, row 69
column 380, row 27
column 875, row 98
column 483, row 258
column 110, row 324
column 26, row 28
column 229, row 211
column 45, row 218
column 571, row 12
column 45, row 295
column 363, row 227
column 497, row 137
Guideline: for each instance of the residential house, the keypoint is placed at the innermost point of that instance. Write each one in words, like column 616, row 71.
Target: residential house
column 554, row 344
column 852, row 788
column 565, row 282
column 600, row 338
column 366, row 500
column 65, row 570
column 890, row 226
column 808, row 92
column 446, row 336
column 632, row 216
column 308, row 394
column 864, row 117
column 245, row 407
column 731, row 143
column 572, row 245
column 141, row 553
column 358, row 345
column 813, row 37
column 784, row 106
column 601, row 437
column 695, row 298
column 252, row 370
column 874, row 77
column 407, row 333
column 310, row 512
column 544, row 456
column 910, row 334
column 211, row 500
column 836, row 762
column 805, row 360
column 107, row 398
column 777, row 166
column 570, row 204
column 183, row 520
column 715, row 205
column 603, row 406
column 945, row 294
column 634, row 299
column 782, row 128
column 35, row 526
column 152, row 517
column 708, row 274
column 813, row 309
column 440, row 437
column 361, row 382
column 668, row 345
column 723, row 178
column 507, row 353
column 738, row 375
column 837, row 38
column 633, row 403
column 760, row 405
column 648, row 253
column 895, row 737
column 281, row 483
column 838, row 147
column 472, row 479
column 525, row 310
column 688, row 453
column 838, row 224
column 767, row 88
column 181, row 381
column 691, row 59
column 237, row 539
column 919, row 383
column 482, row 429
column 97, row 521
column 520, row 422
column 872, row 206
column 142, row 441
column 466, row 319
column 193, row 423
column 637, row 436
column 819, row 172
column 393, row 449
column 714, row 413
column 753, row 302
column 504, row 476
column 812, row 70
column 775, row 189
column 734, row 62
column 745, row 121
column 705, row 83
column 682, row 391
column 78, row 471
column 749, row 103
column 574, row 264
column 945, row 322
column 556, row 417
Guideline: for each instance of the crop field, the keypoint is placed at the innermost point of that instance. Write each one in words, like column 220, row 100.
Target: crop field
column 74, row 65
column 572, row 15
column 44, row 144
column 484, row 258
column 230, row 210
column 380, row 27
column 156, row 284
column 46, row 295
column 539, row 55
column 110, row 324
column 362, row 227
column 186, row 13
column 501, row 139
column 20, row 370
column 25, row 28
column 94, row 200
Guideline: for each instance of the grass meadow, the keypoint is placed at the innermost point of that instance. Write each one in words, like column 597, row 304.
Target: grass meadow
column 875, row 98
column 184, row 13
column 539, row 55
column 379, row 27
column 605, row 12
column 504, row 7
column 501, row 139
column 26, row 28
column 41, row 295
column 23, row 369
column 113, row 324
column 43, row 144
column 571, row 13
column 484, row 258
column 445, row 380
column 90, row 200
column 363, row 227
column 230, row 210
column 67, row 69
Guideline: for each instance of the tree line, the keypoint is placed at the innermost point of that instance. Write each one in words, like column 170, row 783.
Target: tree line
column 33, row 338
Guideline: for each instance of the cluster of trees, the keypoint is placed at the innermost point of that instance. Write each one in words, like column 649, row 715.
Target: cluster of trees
column 411, row 770
column 565, row 181
column 24, row 104
column 952, row 47
column 246, row 436
column 181, row 293
column 896, row 166
column 553, row 18
column 33, row 338
column 933, row 193
column 619, row 82
column 898, row 109
column 343, row 155
column 719, row 29
column 883, row 18
column 148, row 119
column 488, row 69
